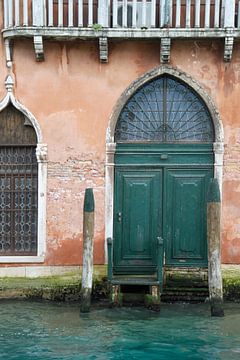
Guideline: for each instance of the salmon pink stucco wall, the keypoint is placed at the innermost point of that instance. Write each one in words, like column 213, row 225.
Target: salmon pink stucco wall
column 72, row 94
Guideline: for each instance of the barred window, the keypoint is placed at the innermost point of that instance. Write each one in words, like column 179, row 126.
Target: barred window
column 18, row 184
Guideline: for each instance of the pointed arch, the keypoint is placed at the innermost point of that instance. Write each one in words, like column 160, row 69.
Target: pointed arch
column 10, row 99
column 154, row 74
column 218, row 145
column 41, row 155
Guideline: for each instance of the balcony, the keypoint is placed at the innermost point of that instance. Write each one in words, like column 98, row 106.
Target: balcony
column 161, row 20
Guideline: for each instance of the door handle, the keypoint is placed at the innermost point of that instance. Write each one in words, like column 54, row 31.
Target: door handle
column 119, row 217
column 160, row 240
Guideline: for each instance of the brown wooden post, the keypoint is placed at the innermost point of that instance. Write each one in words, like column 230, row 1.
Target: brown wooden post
column 88, row 233
column 214, row 248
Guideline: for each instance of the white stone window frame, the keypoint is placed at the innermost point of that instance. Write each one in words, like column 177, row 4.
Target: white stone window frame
column 218, row 145
column 41, row 153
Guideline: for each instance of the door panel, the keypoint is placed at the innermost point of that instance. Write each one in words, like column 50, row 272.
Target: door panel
column 137, row 220
column 185, row 220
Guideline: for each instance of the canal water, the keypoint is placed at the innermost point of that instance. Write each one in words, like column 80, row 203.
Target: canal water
column 37, row 330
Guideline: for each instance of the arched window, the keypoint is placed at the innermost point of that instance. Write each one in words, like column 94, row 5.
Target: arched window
column 165, row 110
column 18, row 184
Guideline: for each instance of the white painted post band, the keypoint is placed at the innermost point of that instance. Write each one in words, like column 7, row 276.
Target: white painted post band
column 188, row 13
column 216, row 13
column 70, row 13
column 134, row 13
column 178, row 13
column 17, row 13
column 80, row 13
column 197, row 13
column 153, row 13
column 229, row 13
column 38, row 12
column 90, row 13
column 60, row 13
column 124, row 13
column 50, row 12
column 25, row 12
column 207, row 14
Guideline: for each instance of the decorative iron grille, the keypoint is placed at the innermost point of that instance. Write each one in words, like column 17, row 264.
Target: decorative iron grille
column 18, row 200
column 165, row 110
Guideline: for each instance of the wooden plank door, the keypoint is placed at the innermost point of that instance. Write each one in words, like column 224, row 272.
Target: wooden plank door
column 137, row 220
column 185, row 230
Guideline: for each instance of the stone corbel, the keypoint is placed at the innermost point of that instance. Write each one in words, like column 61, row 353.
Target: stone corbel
column 228, row 46
column 165, row 50
column 38, row 47
column 103, row 49
column 8, row 51
column 41, row 152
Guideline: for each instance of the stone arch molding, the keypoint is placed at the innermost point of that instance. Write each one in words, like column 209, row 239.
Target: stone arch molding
column 153, row 74
column 218, row 145
column 41, row 154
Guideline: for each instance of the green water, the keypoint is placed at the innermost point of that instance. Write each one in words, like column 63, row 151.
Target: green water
column 32, row 330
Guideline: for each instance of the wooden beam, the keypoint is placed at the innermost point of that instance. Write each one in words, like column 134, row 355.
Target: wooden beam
column 88, row 234
column 214, row 248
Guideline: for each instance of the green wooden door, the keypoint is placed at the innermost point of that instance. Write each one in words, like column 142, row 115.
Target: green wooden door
column 137, row 220
column 185, row 216
column 160, row 191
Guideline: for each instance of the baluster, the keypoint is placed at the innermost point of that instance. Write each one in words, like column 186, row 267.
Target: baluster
column 134, row 13
column 144, row 23
column 80, row 13
column 115, row 13
column 90, row 13
column 17, row 14
column 153, row 13
column 6, row 14
column 50, row 12
column 188, row 13
column 197, row 13
column 238, row 15
column 178, row 13
column 70, row 13
column 216, row 13
column 207, row 14
column 103, row 13
column 10, row 13
column 229, row 15
column 124, row 13
column 60, row 12
column 25, row 12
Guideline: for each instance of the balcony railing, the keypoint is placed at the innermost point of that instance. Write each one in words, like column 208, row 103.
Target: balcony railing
column 122, row 18
column 135, row 14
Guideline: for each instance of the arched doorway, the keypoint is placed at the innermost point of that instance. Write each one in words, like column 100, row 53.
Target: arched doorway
column 161, row 156
column 18, row 185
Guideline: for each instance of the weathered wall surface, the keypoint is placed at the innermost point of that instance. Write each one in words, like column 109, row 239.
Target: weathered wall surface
column 72, row 95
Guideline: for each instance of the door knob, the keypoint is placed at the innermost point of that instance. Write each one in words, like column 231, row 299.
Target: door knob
column 119, row 217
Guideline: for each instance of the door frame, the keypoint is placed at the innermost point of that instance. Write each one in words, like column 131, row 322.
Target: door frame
column 218, row 145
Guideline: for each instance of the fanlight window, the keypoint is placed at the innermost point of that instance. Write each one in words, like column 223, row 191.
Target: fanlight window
column 18, row 184
column 165, row 110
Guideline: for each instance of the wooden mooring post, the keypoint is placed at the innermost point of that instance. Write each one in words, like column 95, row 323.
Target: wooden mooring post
column 88, row 234
column 214, row 248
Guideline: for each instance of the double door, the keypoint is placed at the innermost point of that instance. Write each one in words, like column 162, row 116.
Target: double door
column 153, row 202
